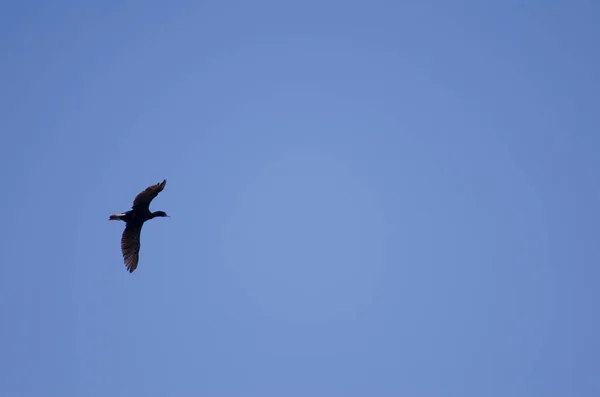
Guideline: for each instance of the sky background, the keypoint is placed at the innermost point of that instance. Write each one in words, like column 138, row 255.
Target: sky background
column 383, row 198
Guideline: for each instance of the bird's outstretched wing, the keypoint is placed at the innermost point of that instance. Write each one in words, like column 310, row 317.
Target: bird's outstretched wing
column 144, row 198
column 130, row 245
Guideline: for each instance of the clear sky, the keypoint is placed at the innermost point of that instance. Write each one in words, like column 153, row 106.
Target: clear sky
column 383, row 198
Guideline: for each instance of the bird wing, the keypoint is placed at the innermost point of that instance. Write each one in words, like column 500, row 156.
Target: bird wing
column 130, row 245
column 144, row 198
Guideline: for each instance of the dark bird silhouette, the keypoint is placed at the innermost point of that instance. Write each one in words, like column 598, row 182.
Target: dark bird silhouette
column 134, row 220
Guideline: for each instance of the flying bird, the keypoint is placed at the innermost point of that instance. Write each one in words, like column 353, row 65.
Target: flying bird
column 134, row 220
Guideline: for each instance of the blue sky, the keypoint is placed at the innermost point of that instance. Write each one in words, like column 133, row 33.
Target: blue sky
column 366, row 198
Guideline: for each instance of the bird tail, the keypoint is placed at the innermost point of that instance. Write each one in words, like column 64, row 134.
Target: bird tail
column 116, row 217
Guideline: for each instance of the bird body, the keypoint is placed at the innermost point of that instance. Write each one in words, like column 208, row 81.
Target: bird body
column 134, row 220
column 136, row 216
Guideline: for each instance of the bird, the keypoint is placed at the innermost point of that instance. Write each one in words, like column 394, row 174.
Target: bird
column 134, row 220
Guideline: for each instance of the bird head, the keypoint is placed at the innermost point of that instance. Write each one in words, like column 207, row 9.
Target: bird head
column 160, row 213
